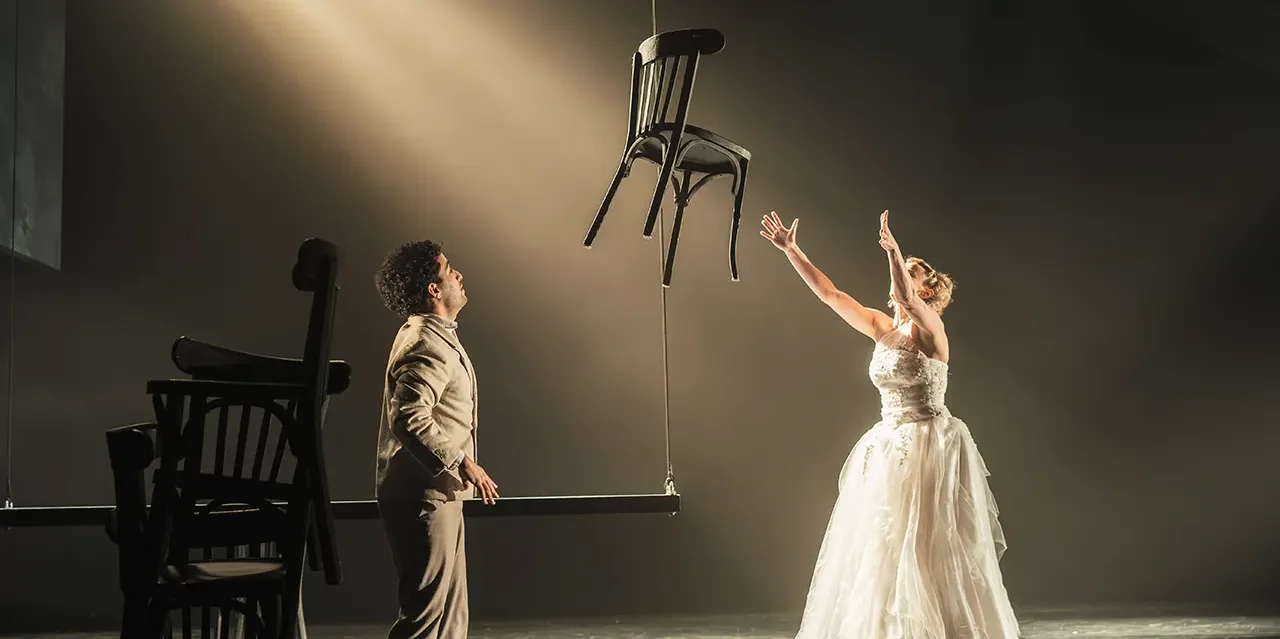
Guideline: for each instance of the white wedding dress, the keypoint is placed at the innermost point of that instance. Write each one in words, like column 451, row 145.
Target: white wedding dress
column 913, row 545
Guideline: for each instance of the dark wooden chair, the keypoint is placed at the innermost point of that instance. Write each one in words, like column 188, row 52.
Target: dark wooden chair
column 681, row 150
column 132, row 451
column 241, row 486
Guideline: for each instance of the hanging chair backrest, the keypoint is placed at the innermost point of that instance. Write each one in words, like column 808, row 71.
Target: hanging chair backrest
column 662, row 74
column 316, row 272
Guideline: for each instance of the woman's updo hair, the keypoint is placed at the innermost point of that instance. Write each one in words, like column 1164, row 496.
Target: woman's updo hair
column 940, row 283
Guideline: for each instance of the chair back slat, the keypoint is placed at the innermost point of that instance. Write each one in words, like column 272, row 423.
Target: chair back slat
column 663, row 72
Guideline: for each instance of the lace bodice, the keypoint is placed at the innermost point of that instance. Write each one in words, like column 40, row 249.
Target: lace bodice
column 912, row 385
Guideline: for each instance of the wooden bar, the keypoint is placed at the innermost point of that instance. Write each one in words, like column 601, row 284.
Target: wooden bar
column 39, row 516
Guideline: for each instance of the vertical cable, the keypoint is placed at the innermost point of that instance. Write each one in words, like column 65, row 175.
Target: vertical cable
column 670, row 484
column 13, row 269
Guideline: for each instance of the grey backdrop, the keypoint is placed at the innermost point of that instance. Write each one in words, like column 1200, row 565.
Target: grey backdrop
column 1100, row 178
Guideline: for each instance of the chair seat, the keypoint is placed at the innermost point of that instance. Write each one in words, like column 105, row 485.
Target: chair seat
column 229, row 571
column 700, row 158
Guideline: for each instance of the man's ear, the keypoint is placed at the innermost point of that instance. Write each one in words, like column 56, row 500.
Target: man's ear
column 433, row 290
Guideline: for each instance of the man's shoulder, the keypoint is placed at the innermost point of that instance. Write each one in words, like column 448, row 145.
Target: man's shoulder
column 420, row 338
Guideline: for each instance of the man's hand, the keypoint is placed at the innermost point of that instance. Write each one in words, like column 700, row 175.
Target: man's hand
column 472, row 473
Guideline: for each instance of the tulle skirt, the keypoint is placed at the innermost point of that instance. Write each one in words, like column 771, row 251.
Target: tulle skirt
column 913, row 545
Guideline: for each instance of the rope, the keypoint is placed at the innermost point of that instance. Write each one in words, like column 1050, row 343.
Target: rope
column 13, row 285
column 670, row 484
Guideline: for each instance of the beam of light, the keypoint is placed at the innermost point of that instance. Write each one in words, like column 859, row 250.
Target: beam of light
column 427, row 95
column 431, row 100
column 408, row 83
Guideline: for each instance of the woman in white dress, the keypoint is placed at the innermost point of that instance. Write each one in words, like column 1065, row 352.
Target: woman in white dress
column 913, row 545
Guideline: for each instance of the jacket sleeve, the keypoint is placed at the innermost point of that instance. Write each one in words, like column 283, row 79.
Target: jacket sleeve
column 421, row 377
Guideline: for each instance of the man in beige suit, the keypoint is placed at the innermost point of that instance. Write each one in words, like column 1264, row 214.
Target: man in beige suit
column 427, row 443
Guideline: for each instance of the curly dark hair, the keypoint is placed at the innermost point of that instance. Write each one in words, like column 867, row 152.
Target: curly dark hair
column 403, row 277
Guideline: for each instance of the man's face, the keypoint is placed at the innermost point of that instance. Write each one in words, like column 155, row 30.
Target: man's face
column 450, row 290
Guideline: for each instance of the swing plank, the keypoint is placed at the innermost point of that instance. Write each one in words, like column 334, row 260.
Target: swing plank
column 40, row 516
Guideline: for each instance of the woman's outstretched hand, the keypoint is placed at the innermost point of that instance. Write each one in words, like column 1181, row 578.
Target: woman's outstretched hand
column 781, row 236
column 887, row 241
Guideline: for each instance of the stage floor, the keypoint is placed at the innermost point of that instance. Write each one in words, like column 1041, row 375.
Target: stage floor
column 1150, row 622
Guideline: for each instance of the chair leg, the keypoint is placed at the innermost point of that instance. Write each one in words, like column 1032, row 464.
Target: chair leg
column 206, row 621
column 682, row 200
column 256, row 618
column 668, row 167
column 270, row 607
column 301, row 620
column 604, row 205
column 288, row 615
column 227, row 621
column 156, row 620
column 739, row 189
column 133, row 622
